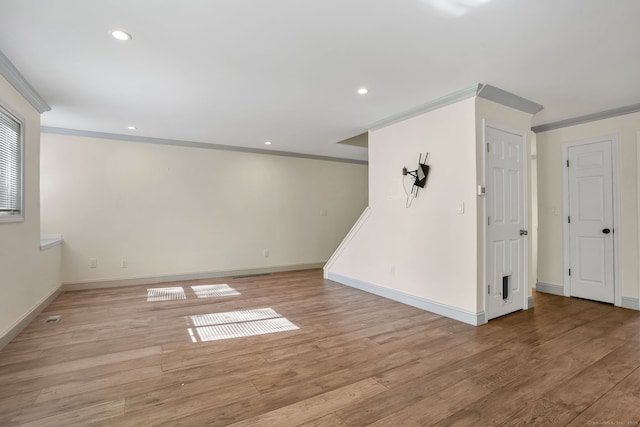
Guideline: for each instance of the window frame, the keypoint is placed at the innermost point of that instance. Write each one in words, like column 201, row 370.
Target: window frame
column 8, row 217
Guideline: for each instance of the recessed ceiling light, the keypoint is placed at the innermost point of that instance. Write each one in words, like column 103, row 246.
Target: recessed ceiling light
column 363, row 91
column 131, row 127
column 267, row 143
column 121, row 35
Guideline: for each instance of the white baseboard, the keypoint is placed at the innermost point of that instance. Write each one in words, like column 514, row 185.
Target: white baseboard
column 12, row 331
column 146, row 280
column 550, row 289
column 632, row 303
column 530, row 302
column 455, row 313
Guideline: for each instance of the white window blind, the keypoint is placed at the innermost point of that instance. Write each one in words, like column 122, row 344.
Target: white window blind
column 10, row 166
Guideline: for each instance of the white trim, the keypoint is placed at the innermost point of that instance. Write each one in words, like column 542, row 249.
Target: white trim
column 436, row 104
column 617, row 224
column 12, row 331
column 50, row 240
column 548, row 288
column 192, row 144
column 638, row 196
column 13, row 76
column 631, row 303
column 525, row 156
column 12, row 218
column 566, row 239
column 530, row 302
column 508, row 99
column 617, row 269
column 607, row 114
column 12, row 114
column 350, row 235
column 480, row 90
column 455, row 313
column 145, row 280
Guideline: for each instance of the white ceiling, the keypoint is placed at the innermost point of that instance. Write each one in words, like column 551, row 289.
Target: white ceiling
column 241, row 72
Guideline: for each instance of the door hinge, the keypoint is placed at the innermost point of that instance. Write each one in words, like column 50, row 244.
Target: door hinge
column 569, row 272
column 488, row 220
column 487, row 147
column 489, row 289
column 569, row 219
column 567, row 163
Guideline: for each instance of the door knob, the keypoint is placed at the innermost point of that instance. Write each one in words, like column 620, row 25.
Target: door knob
column 523, row 232
column 606, row 231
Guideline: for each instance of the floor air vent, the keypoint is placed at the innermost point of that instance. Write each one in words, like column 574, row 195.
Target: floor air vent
column 52, row 319
column 244, row 276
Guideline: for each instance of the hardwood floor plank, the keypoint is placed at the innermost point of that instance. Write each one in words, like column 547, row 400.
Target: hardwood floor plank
column 315, row 407
column 331, row 420
column 83, row 416
column 343, row 367
column 509, row 395
column 10, row 357
column 620, row 406
column 43, row 369
column 542, row 412
column 410, row 384
column 81, row 386
column 115, row 359
column 183, row 402
column 440, row 405
column 584, row 389
column 10, row 406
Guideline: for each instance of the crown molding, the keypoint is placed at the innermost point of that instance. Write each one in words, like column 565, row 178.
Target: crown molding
column 192, row 144
column 17, row 80
column 508, row 99
column 480, row 90
column 607, row 114
column 436, row 104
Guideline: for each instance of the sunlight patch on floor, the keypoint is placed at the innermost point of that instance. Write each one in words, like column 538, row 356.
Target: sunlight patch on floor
column 165, row 294
column 236, row 324
column 210, row 291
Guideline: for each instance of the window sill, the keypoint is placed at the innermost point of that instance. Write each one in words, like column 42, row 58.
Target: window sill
column 50, row 240
column 11, row 218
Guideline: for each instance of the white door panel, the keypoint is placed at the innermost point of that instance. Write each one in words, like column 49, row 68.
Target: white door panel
column 506, row 210
column 590, row 216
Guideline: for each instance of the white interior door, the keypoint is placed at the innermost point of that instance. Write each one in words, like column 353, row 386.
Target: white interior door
column 506, row 194
column 590, row 221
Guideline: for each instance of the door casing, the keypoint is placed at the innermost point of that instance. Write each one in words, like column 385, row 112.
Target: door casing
column 617, row 229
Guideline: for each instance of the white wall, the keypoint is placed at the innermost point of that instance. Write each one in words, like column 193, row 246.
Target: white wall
column 549, row 151
column 27, row 275
column 171, row 210
column 428, row 250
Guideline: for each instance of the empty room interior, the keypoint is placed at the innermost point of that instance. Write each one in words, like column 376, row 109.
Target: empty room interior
column 319, row 213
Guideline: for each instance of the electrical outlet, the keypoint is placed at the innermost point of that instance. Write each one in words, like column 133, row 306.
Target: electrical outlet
column 124, row 263
column 93, row 262
column 265, row 253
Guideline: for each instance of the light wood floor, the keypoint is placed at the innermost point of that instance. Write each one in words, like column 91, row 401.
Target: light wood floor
column 117, row 360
